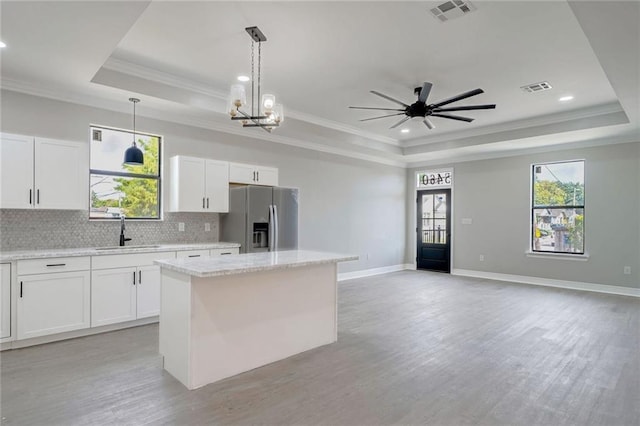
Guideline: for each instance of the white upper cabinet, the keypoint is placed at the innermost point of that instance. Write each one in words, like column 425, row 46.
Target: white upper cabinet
column 16, row 172
column 252, row 174
column 199, row 185
column 43, row 173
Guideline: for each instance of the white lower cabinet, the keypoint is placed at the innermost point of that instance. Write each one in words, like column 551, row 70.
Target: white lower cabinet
column 52, row 303
column 113, row 296
column 218, row 252
column 5, row 300
column 148, row 292
column 128, row 288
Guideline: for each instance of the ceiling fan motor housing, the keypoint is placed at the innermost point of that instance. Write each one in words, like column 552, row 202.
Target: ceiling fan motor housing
column 417, row 109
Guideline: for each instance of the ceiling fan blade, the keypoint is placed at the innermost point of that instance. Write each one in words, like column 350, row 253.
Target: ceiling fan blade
column 400, row 122
column 424, row 93
column 379, row 109
column 453, row 117
column 389, row 98
column 428, row 123
column 458, row 98
column 383, row 116
column 465, row 108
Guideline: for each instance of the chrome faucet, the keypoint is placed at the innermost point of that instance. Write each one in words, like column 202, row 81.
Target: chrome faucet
column 122, row 228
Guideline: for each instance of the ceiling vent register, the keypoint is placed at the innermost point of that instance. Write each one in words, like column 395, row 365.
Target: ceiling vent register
column 537, row 87
column 452, row 9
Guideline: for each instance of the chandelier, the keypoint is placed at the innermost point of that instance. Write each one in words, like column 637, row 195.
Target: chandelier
column 265, row 113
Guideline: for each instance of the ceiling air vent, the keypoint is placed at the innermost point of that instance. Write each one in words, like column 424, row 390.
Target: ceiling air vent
column 536, row 87
column 452, row 9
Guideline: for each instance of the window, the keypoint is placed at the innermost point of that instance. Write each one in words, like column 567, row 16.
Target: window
column 117, row 189
column 557, row 207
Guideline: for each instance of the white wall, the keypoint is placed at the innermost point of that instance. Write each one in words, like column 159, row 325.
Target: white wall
column 346, row 205
column 495, row 195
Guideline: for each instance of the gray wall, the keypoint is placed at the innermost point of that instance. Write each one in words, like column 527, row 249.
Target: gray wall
column 346, row 205
column 495, row 195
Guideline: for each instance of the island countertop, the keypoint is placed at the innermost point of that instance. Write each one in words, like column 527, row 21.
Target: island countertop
column 205, row 267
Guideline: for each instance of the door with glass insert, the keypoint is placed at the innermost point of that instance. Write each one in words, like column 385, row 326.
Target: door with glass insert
column 434, row 230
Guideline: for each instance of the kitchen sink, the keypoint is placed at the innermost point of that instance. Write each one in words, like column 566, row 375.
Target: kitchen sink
column 127, row 247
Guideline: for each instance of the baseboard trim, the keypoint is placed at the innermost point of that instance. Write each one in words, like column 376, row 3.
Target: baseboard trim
column 548, row 282
column 374, row 271
column 17, row 344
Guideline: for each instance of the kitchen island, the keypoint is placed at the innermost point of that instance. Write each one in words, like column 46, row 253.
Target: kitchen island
column 221, row 316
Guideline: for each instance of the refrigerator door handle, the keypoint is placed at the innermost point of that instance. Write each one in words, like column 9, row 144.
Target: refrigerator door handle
column 271, row 233
column 275, row 227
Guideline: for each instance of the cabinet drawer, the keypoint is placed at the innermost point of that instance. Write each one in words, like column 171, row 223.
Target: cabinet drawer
column 217, row 252
column 192, row 253
column 127, row 260
column 57, row 264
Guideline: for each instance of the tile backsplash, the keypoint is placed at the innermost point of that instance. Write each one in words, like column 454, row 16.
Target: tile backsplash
column 46, row 229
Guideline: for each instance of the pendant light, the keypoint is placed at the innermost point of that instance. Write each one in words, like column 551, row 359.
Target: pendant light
column 265, row 112
column 133, row 155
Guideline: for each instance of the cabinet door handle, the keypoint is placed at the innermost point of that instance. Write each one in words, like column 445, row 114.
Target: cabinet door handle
column 30, row 196
column 194, row 255
column 56, row 264
column 21, row 289
column 258, row 176
column 203, row 202
column 207, row 202
column 254, row 175
column 134, row 277
column 139, row 277
column 222, row 254
column 38, row 196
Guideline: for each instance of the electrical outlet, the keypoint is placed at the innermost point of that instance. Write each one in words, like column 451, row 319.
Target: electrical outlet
column 467, row 221
column 207, row 227
column 482, row 258
column 181, row 226
column 627, row 270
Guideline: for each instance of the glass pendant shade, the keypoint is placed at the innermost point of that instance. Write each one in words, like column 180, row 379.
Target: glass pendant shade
column 278, row 113
column 238, row 95
column 268, row 102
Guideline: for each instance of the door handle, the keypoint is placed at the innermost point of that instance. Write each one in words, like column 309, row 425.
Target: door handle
column 207, row 202
column 194, row 255
column 30, row 196
column 203, row 202
column 38, row 196
column 20, row 289
column 254, row 175
column 258, row 176
column 134, row 277
column 139, row 277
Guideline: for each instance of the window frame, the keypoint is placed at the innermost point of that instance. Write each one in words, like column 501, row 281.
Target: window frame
column 533, row 208
column 157, row 178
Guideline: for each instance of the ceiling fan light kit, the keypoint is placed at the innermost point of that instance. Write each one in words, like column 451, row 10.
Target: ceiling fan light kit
column 265, row 112
column 421, row 109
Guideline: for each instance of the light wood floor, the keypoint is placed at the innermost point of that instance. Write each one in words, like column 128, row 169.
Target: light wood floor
column 413, row 348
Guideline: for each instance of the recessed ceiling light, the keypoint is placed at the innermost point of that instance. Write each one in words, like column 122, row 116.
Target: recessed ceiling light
column 243, row 78
column 565, row 98
column 405, row 131
column 2, row 44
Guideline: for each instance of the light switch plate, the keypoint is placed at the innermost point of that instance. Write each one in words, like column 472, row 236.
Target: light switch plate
column 467, row 221
column 181, row 226
column 207, row 227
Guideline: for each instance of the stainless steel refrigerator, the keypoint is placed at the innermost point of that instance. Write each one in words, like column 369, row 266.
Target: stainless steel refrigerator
column 261, row 218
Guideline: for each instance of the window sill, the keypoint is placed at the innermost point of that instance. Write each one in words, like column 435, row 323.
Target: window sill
column 558, row 256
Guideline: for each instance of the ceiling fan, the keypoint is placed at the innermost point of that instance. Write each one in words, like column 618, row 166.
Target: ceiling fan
column 420, row 108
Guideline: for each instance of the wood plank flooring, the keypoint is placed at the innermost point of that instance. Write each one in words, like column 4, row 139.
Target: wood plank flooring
column 414, row 348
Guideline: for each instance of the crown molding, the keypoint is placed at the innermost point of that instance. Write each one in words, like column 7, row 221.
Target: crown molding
column 389, row 159
column 541, row 120
column 454, row 159
column 141, row 71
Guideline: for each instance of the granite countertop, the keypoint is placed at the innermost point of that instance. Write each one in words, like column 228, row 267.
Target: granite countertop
column 251, row 262
column 9, row 256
